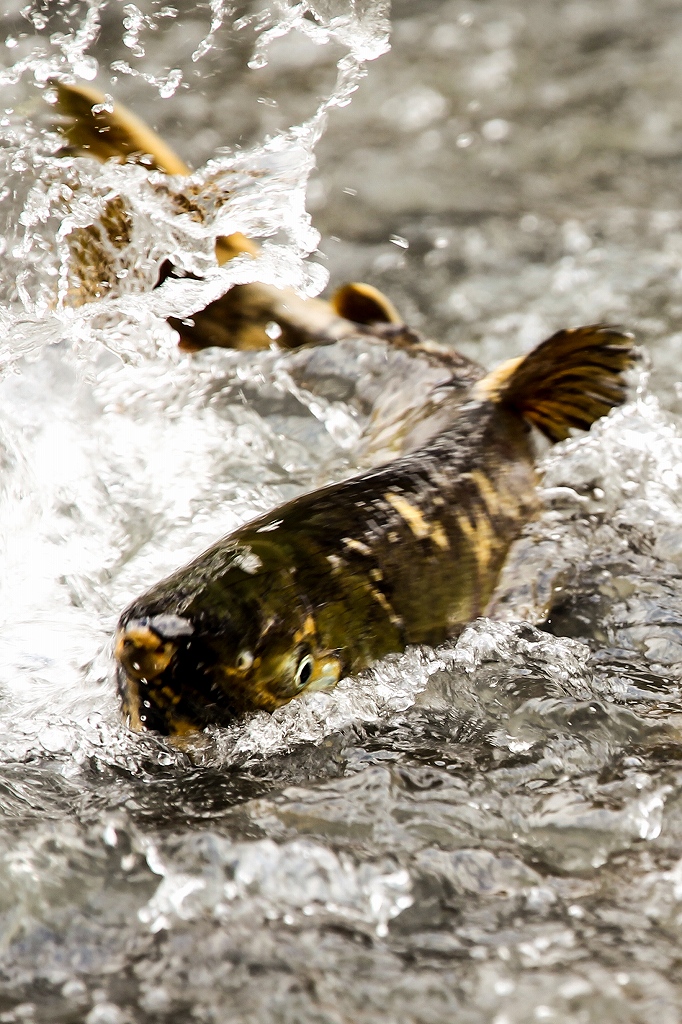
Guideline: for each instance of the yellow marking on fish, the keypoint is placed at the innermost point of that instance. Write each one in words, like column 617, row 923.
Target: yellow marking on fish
column 174, row 698
column 357, row 545
column 131, row 702
column 511, row 506
column 416, row 522
column 376, row 574
column 141, row 653
column 498, row 500
column 490, row 497
column 439, row 536
column 489, row 388
column 412, row 515
column 308, row 629
column 384, row 603
column 481, row 539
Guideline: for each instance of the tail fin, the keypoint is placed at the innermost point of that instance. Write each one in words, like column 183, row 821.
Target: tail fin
column 570, row 380
column 108, row 132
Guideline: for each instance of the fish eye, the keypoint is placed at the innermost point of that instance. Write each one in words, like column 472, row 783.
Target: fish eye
column 244, row 660
column 304, row 671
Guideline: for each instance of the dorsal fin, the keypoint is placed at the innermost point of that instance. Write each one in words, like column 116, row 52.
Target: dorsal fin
column 364, row 304
column 568, row 381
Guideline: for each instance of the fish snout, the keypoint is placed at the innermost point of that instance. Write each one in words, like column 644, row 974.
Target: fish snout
column 145, row 647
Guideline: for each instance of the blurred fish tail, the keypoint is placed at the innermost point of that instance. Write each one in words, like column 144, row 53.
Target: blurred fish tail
column 94, row 126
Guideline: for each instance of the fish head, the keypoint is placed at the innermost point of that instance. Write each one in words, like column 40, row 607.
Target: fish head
column 245, row 645
column 286, row 661
column 147, row 649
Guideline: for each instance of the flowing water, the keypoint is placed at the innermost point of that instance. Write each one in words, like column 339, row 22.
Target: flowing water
column 488, row 832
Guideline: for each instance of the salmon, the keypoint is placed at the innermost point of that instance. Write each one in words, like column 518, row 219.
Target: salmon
column 328, row 583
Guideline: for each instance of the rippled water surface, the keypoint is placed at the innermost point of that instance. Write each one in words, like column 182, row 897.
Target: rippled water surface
column 489, row 832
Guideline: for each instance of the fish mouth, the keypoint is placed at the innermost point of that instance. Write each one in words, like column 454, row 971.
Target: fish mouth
column 145, row 647
column 326, row 675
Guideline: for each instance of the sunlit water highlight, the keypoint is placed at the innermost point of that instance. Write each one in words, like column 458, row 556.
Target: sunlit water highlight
column 488, row 832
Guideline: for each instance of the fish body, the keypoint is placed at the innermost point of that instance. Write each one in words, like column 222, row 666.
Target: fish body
column 242, row 319
column 409, row 553
column 401, row 393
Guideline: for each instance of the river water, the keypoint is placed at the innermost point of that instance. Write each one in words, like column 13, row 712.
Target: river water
column 488, row 832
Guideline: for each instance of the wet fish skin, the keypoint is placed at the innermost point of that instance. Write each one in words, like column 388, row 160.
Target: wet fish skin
column 328, row 583
column 339, row 577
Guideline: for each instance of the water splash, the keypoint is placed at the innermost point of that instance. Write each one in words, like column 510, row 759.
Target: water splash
column 488, row 831
column 66, row 220
column 296, row 881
